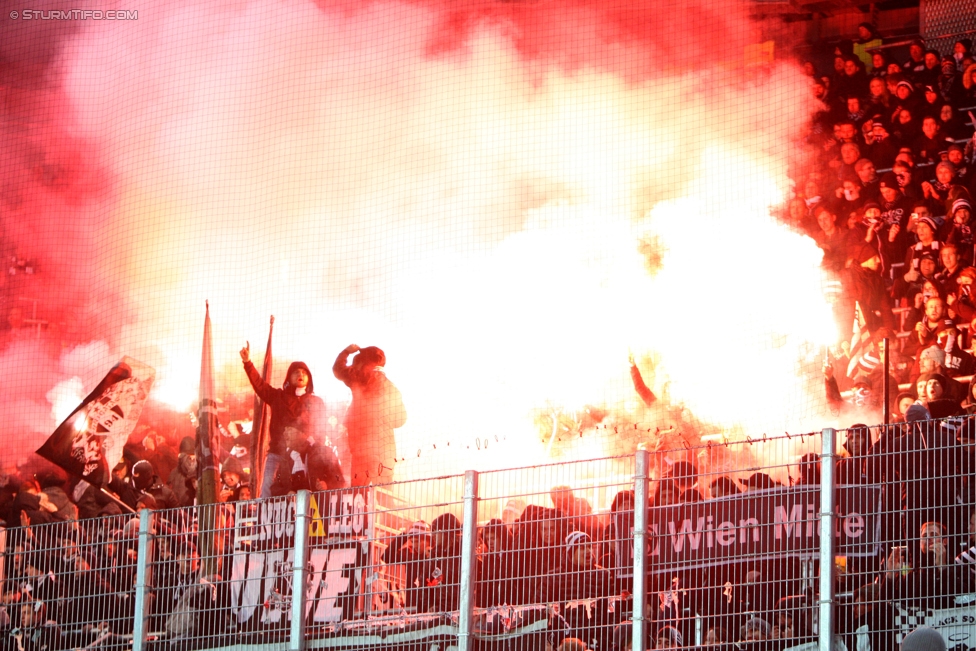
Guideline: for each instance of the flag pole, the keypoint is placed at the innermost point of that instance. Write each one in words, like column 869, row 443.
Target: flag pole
column 260, row 426
column 886, row 408
column 207, row 434
column 122, row 505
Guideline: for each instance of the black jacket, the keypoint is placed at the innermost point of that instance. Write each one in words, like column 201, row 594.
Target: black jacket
column 287, row 409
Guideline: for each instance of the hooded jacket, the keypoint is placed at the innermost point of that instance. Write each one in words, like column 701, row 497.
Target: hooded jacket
column 376, row 410
column 288, row 410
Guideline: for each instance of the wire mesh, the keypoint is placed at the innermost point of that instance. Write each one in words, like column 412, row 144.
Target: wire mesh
column 734, row 555
column 70, row 584
column 395, row 576
column 221, row 574
column 922, row 572
column 550, row 553
column 944, row 21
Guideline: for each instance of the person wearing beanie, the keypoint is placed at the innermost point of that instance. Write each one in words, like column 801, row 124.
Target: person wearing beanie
column 860, row 466
column 411, row 549
column 925, row 459
column 936, row 190
column 881, row 229
column 915, row 64
column 231, row 477
column 51, row 483
column 579, row 578
column 959, row 216
column 499, row 566
column 185, row 472
column 443, row 573
column 888, row 180
column 324, row 468
column 668, row 637
column 905, row 100
column 297, row 414
column 924, row 638
column 938, row 399
column 960, row 50
column 146, row 481
column 895, row 211
column 755, row 630
column 865, row 286
column 926, row 577
column 963, row 206
column 932, row 359
column 917, row 412
column 791, row 622
column 867, row 40
column 927, row 244
column 375, row 411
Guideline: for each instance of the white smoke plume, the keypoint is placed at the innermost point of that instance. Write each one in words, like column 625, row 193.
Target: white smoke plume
column 509, row 198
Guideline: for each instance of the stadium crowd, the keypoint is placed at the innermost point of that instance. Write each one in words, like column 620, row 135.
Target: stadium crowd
column 889, row 199
column 70, row 581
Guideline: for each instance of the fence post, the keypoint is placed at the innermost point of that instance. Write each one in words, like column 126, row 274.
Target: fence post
column 828, row 445
column 469, row 539
column 296, row 641
column 143, row 580
column 640, row 546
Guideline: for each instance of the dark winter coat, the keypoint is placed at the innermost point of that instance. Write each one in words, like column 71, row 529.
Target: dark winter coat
column 288, row 410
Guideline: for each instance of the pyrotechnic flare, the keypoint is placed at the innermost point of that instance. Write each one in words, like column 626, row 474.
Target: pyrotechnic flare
column 556, row 181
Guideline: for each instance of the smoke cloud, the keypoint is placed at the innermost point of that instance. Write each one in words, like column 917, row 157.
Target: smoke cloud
column 509, row 198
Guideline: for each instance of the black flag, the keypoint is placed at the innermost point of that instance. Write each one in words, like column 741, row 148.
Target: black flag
column 88, row 443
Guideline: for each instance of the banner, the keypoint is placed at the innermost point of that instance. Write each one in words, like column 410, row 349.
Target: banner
column 956, row 625
column 758, row 525
column 88, row 444
column 264, row 554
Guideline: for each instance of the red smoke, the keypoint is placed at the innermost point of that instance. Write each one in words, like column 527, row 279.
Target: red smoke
column 471, row 186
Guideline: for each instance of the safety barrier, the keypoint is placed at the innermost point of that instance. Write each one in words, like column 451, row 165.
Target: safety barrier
column 716, row 543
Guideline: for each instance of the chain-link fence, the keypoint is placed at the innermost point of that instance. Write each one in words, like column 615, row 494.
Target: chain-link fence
column 719, row 544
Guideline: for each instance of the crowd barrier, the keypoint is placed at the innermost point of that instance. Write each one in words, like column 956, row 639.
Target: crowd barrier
column 644, row 551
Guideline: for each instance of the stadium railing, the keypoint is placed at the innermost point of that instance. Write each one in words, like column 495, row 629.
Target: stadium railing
column 719, row 542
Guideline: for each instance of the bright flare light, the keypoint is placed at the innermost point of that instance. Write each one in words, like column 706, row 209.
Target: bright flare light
column 477, row 213
column 65, row 398
column 741, row 301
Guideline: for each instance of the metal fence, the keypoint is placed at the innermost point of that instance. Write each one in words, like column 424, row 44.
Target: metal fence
column 715, row 544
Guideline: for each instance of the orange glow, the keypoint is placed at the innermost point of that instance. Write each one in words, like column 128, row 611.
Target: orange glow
column 483, row 217
column 64, row 399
